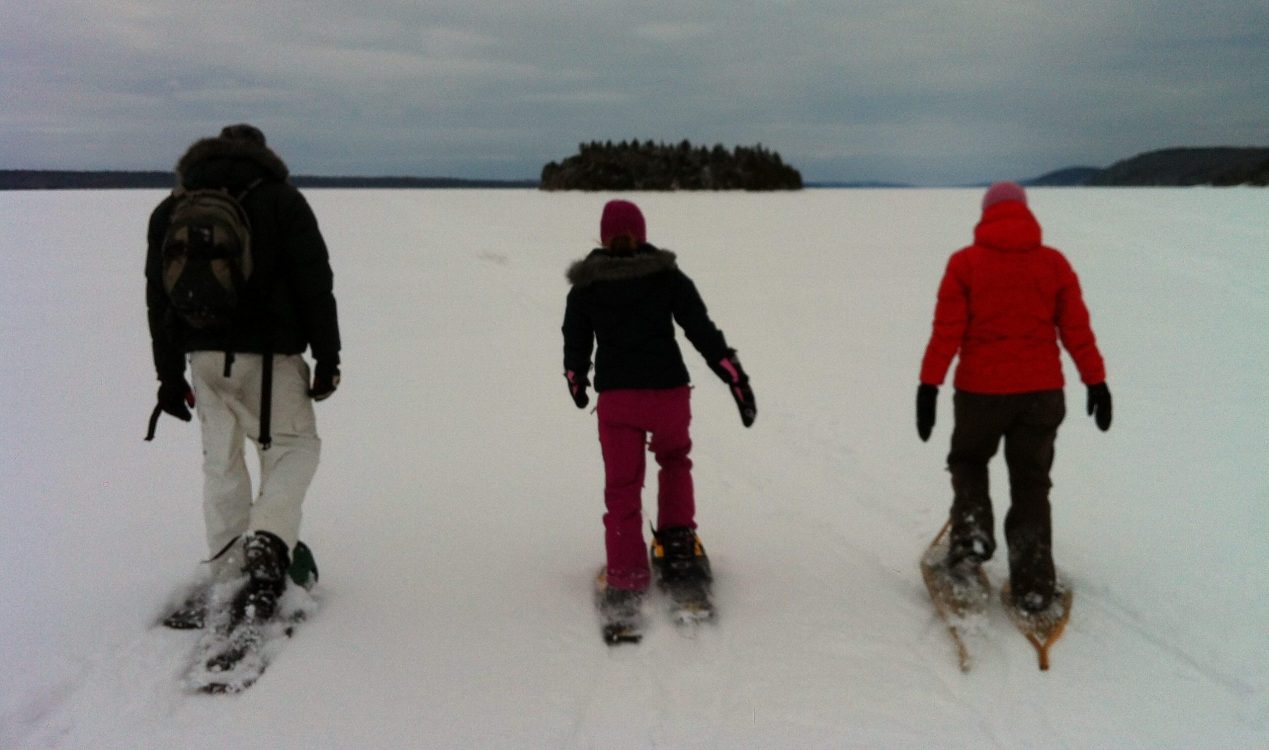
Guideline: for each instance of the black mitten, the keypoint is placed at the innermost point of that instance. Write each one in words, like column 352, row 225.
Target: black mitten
column 325, row 380
column 728, row 368
column 175, row 398
column 926, row 402
column 1099, row 405
column 577, row 388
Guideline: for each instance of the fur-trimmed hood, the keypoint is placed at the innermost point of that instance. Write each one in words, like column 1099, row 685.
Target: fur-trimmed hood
column 602, row 265
column 201, row 156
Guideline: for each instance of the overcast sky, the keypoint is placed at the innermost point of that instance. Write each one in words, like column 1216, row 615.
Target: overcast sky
column 927, row 92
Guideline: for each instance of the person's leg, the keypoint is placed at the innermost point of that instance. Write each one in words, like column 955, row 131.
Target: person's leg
column 288, row 466
column 226, row 481
column 979, row 424
column 622, row 444
column 1029, row 451
column 671, row 443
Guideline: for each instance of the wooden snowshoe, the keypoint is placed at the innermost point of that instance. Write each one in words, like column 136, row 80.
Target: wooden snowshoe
column 960, row 600
column 1043, row 628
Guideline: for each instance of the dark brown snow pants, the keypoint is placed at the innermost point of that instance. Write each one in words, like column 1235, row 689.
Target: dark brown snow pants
column 1028, row 422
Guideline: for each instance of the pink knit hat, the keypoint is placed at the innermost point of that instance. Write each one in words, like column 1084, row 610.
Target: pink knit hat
column 622, row 217
column 1004, row 191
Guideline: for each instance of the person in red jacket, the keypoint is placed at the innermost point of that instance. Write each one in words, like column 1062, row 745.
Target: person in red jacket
column 1003, row 305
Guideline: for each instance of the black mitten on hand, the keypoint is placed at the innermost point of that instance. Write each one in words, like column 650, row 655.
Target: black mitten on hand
column 577, row 388
column 728, row 368
column 926, row 403
column 325, row 380
column 1099, row 405
column 175, row 398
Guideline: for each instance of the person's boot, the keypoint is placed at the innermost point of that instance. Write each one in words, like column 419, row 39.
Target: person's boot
column 266, row 561
column 621, row 605
column 678, row 557
column 1032, row 578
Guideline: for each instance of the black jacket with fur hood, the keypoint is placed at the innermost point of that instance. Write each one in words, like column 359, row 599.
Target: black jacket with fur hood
column 625, row 307
column 290, row 304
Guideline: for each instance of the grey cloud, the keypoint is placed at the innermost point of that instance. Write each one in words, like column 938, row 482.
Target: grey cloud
column 926, row 92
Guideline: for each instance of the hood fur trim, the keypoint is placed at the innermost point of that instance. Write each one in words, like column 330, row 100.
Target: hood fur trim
column 224, row 148
column 602, row 265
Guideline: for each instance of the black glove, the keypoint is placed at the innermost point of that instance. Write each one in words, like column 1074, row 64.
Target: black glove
column 175, row 398
column 1099, row 405
column 577, row 388
column 728, row 368
column 325, row 380
column 926, row 401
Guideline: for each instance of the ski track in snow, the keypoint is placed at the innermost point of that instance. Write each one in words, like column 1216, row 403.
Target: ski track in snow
column 814, row 519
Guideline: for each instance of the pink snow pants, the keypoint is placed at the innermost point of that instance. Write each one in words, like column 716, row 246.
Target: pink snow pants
column 626, row 418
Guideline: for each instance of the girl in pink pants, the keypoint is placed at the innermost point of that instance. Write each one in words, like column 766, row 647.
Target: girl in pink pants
column 625, row 300
column 626, row 418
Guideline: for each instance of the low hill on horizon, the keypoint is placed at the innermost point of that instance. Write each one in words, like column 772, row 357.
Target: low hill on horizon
column 1179, row 167
column 1068, row 177
column 1222, row 166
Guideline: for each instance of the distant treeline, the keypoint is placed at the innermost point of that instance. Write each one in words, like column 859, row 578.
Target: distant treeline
column 1173, row 167
column 631, row 165
column 649, row 166
column 34, row 179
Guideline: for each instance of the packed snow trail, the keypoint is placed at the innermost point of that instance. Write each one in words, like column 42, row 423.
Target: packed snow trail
column 456, row 515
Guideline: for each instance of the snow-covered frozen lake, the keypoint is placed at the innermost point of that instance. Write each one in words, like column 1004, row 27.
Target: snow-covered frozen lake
column 456, row 513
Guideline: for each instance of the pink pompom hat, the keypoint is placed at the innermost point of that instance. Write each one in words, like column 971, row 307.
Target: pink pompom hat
column 1004, row 191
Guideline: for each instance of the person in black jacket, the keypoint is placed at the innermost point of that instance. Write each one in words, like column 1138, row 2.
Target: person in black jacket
column 625, row 299
column 288, row 306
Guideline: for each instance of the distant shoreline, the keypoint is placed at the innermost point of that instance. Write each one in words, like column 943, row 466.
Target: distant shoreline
column 1175, row 167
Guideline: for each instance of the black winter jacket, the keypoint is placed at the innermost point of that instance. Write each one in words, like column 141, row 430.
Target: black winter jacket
column 628, row 304
column 289, row 304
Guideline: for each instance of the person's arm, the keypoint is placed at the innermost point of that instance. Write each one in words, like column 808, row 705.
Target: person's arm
column 579, row 340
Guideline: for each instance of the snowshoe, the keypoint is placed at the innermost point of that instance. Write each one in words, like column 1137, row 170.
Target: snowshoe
column 266, row 564
column 231, row 651
column 191, row 614
column 620, row 611
column 682, row 571
column 959, row 590
column 1042, row 627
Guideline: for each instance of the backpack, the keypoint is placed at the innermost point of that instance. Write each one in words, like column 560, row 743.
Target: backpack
column 206, row 257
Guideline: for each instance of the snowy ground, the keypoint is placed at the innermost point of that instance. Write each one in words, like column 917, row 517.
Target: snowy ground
column 456, row 515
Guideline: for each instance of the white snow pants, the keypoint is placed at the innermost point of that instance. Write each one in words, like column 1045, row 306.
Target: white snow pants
column 229, row 412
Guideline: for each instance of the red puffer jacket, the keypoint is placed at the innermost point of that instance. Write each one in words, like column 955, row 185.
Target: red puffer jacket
column 1003, row 303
